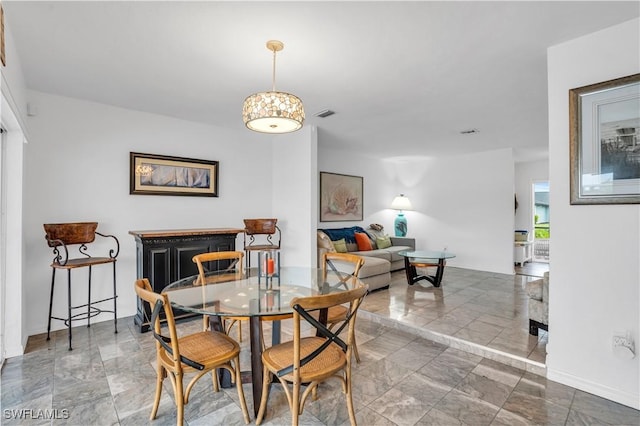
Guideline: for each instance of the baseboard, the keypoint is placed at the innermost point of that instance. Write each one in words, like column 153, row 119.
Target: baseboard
column 616, row 395
column 16, row 350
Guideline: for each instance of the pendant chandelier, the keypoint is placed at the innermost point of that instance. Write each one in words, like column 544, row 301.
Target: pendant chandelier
column 273, row 112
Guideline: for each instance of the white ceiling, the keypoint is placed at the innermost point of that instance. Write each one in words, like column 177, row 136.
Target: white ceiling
column 403, row 77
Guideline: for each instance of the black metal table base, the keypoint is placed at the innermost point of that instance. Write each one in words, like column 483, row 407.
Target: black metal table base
column 412, row 273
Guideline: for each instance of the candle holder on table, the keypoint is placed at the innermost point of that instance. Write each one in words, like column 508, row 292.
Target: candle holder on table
column 269, row 268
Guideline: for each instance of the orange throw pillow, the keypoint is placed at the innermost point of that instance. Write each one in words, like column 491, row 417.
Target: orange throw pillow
column 363, row 241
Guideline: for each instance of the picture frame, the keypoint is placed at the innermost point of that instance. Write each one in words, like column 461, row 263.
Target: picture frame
column 604, row 142
column 152, row 174
column 341, row 197
column 3, row 57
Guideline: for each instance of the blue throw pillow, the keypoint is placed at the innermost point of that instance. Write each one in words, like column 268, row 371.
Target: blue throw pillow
column 347, row 233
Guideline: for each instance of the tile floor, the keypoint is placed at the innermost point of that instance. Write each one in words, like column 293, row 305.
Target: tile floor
column 479, row 311
column 404, row 378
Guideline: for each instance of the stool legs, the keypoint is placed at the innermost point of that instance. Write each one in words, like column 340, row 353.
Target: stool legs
column 115, row 308
column 89, row 301
column 53, row 280
column 89, row 313
column 69, row 304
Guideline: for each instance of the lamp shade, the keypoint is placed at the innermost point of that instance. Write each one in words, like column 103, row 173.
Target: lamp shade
column 273, row 112
column 401, row 203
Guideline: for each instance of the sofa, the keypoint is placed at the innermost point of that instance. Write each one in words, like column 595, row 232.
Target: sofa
column 538, row 292
column 380, row 255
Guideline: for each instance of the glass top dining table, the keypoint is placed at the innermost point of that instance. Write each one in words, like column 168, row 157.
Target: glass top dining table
column 233, row 293
column 236, row 294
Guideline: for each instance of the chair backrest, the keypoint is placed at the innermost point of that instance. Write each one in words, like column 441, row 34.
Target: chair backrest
column 169, row 344
column 329, row 258
column 235, row 264
column 302, row 307
column 61, row 235
column 70, row 233
column 260, row 226
column 264, row 227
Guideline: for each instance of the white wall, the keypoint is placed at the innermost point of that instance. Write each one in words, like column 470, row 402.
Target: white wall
column 594, row 263
column 295, row 195
column 464, row 203
column 526, row 174
column 378, row 188
column 77, row 169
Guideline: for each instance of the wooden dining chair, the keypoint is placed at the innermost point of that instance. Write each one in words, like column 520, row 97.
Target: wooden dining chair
column 201, row 353
column 312, row 360
column 224, row 261
column 337, row 314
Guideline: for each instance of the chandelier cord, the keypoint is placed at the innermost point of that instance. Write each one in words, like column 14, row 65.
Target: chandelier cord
column 273, row 79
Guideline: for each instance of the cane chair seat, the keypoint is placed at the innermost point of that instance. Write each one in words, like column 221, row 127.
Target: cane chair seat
column 336, row 314
column 206, row 347
column 329, row 361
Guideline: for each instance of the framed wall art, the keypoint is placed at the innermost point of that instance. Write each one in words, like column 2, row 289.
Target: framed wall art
column 340, row 197
column 152, row 174
column 3, row 58
column 604, row 146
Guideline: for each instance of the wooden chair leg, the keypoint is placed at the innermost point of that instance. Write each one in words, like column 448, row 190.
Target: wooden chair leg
column 156, row 403
column 352, row 413
column 265, row 395
column 179, row 400
column 243, row 402
column 295, row 404
column 355, row 350
column 216, row 382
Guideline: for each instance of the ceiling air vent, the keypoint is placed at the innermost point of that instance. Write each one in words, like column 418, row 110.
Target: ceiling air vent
column 325, row 113
column 469, row 132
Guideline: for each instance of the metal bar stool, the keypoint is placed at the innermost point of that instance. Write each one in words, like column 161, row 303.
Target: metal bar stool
column 260, row 234
column 60, row 236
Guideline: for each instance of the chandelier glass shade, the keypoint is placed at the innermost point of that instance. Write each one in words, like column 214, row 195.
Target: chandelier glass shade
column 273, row 112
